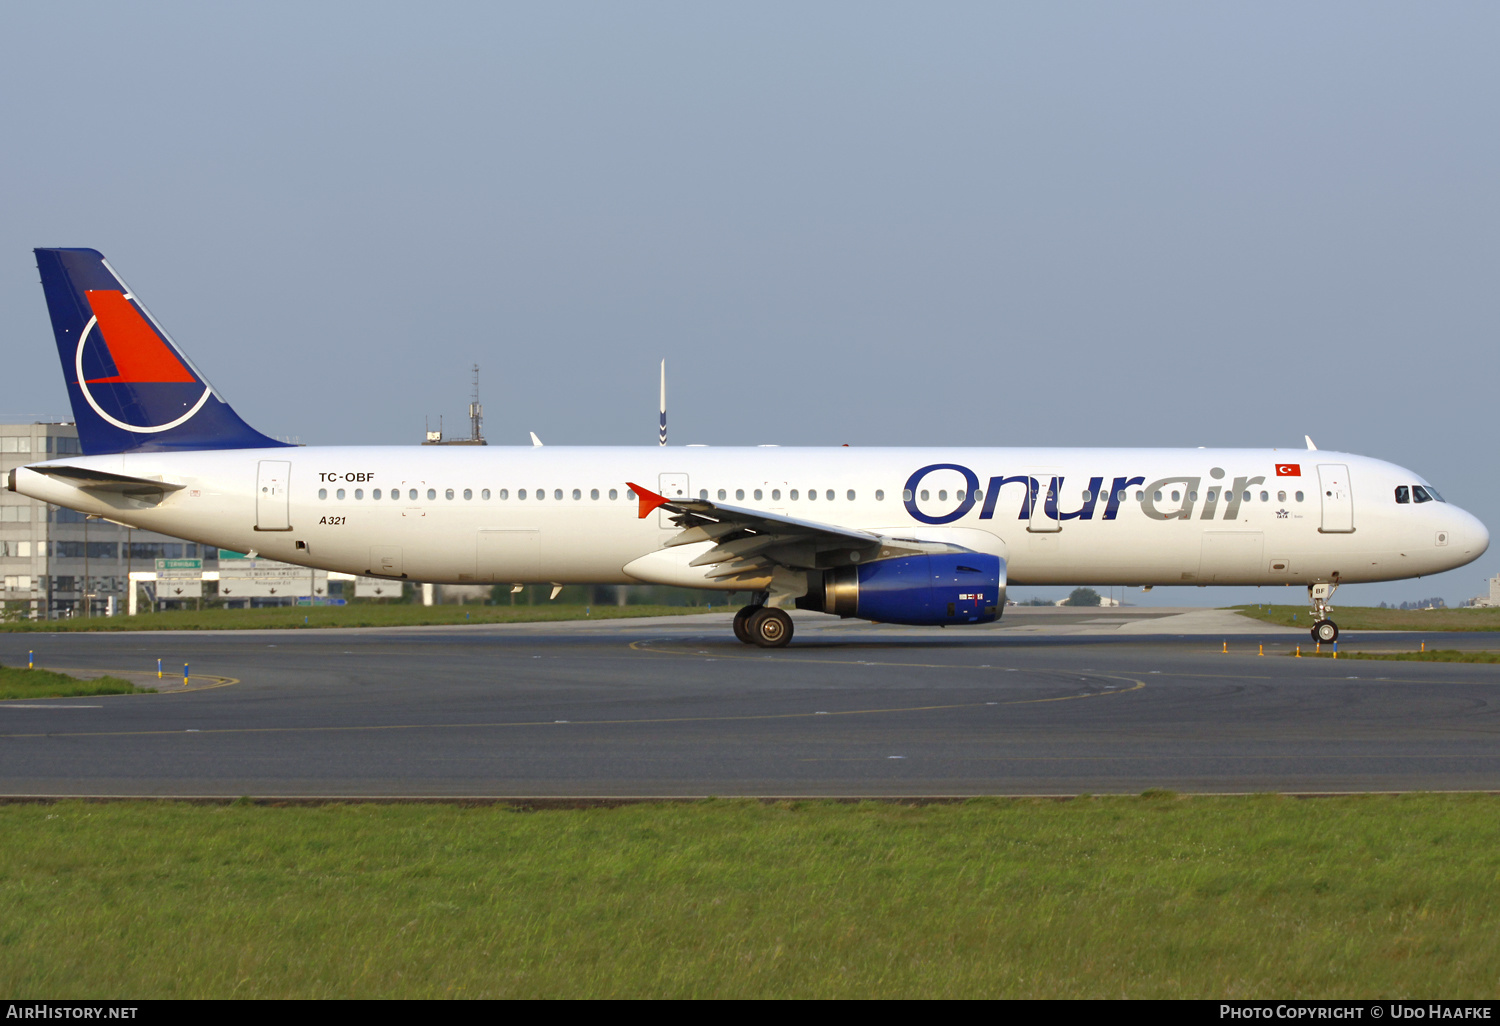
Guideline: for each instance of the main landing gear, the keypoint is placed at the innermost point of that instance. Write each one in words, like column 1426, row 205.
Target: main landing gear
column 761, row 625
column 1323, row 629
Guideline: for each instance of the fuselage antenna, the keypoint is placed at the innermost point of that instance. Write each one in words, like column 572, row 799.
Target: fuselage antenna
column 662, row 433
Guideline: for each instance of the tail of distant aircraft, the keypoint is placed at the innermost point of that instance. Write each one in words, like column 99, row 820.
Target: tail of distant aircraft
column 131, row 388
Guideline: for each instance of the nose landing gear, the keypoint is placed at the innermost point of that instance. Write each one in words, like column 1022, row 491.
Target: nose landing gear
column 1323, row 629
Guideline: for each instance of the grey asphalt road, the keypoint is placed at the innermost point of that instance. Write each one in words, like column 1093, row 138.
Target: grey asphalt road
column 1047, row 703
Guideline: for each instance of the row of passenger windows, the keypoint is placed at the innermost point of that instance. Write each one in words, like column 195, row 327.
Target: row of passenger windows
column 503, row 494
column 1213, row 496
column 414, row 494
column 795, row 495
column 1417, row 493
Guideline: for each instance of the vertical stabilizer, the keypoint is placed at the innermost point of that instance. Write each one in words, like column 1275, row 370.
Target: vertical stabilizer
column 131, row 388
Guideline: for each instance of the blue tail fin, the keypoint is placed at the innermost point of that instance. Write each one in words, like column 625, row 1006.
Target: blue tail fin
column 132, row 389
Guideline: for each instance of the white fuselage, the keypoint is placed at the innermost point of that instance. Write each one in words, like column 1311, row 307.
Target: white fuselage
column 1120, row 516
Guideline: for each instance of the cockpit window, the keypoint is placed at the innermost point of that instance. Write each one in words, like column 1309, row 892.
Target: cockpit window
column 1420, row 493
column 1434, row 493
column 1403, row 494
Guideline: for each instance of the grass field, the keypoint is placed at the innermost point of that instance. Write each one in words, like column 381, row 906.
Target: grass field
column 361, row 615
column 1106, row 897
column 39, row 683
column 1446, row 655
column 1367, row 618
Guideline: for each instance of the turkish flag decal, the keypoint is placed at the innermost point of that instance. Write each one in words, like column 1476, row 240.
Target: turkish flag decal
column 1288, row 470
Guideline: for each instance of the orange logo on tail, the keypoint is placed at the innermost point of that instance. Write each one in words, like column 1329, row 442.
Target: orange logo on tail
column 139, row 353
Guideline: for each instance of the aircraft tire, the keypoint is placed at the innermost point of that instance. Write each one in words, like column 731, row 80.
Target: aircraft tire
column 741, row 623
column 769, row 628
column 1325, row 631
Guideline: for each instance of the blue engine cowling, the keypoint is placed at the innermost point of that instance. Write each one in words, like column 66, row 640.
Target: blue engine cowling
column 923, row 590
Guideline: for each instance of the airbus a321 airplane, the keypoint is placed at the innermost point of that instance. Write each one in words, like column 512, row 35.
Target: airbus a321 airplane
column 903, row 536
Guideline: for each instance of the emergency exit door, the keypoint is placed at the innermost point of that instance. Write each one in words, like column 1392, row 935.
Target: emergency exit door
column 1044, row 498
column 273, row 496
column 673, row 486
column 1338, row 498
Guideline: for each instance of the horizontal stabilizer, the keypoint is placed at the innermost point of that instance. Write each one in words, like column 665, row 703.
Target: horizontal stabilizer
column 103, row 481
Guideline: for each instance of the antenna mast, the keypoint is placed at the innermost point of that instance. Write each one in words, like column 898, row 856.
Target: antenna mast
column 476, row 412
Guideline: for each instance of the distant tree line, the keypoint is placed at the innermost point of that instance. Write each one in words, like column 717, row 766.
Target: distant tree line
column 1426, row 603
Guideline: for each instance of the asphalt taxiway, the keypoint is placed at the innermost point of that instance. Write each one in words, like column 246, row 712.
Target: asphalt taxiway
column 1047, row 702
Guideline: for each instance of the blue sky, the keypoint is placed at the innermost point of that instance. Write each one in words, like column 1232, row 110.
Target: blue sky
column 1030, row 224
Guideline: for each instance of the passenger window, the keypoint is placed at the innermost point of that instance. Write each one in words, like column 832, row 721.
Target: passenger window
column 375, row 494
column 757, row 494
column 1299, row 496
column 1176, row 496
column 723, row 495
column 359, row 493
column 411, row 495
column 924, row 494
column 431, row 494
column 468, row 493
column 1087, row 495
column 1192, row 496
column 1213, row 495
column 775, row 494
column 739, row 494
column 1247, row 496
column 557, row 494
column 812, row 495
column 614, row 494
column 794, row 495
column 447, row 495
column 906, row 495
column 322, row 493
column 339, row 494
column 577, row 494
column 703, row 493
column 629, row 495
column 485, row 495
column 1420, row 494
column 1281, row 496
column 1265, row 496
column 850, row 495
column 828, row 495
column 880, row 495
column 942, row 495
column 505, row 494
column 520, row 493
column 594, row 493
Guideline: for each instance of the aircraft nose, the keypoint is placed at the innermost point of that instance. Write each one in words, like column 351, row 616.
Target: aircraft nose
column 1479, row 535
column 1472, row 538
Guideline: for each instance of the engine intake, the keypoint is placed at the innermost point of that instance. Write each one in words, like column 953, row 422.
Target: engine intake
column 921, row 590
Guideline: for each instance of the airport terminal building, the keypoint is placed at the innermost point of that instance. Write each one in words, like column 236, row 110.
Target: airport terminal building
column 51, row 557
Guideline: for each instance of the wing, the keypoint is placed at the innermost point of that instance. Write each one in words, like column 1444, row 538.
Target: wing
column 750, row 543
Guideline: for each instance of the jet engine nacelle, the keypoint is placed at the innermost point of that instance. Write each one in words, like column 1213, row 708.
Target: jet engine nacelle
column 923, row 590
